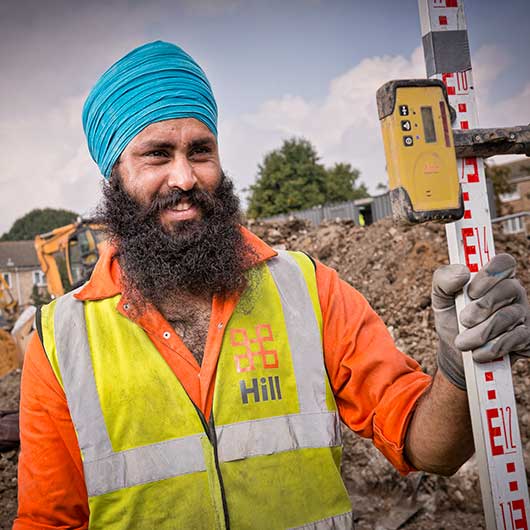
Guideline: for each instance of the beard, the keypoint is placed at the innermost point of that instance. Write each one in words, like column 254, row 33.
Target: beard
column 200, row 257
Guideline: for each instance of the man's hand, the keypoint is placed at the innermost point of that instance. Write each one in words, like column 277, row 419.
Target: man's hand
column 439, row 438
column 497, row 321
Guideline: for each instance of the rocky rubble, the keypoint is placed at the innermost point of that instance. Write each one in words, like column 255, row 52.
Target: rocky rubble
column 392, row 266
column 9, row 398
column 8, row 353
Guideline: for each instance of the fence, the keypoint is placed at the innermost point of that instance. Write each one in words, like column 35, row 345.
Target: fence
column 373, row 209
column 513, row 223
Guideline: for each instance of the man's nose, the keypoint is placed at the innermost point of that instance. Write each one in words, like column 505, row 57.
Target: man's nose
column 181, row 175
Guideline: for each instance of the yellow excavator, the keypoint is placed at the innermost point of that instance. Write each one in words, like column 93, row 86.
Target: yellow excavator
column 67, row 255
column 8, row 303
column 9, row 313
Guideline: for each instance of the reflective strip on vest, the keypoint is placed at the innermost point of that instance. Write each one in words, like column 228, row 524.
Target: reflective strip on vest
column 145, row 464
column 75, row 363
column 302, row 331
column 274, row 435
column 337, row 522
column 107, row 470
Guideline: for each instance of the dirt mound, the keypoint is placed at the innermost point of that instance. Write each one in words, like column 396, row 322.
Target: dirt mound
column 9, row 399
column 8, row 353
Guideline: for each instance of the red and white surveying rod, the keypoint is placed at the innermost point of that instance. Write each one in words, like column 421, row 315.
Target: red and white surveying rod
column 470, row 240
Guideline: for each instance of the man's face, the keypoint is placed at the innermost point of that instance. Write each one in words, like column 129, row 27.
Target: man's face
column 173, row 216
column 178, row 154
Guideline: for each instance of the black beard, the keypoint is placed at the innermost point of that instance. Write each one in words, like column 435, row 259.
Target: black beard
column 200, row 257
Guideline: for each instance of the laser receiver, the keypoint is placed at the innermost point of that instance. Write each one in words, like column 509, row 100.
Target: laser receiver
column 420, row 152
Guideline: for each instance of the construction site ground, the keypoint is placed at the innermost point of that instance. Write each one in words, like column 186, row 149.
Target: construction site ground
column 392, row 266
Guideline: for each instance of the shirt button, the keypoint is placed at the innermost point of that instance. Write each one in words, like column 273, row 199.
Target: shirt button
column 166, row 334
column 126, row 307
column 220, row 325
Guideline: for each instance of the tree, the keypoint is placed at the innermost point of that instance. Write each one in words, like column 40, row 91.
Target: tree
column 500, row 176
column 38, row 222
column 382, row 187
column 341, row 184
column 292, row 178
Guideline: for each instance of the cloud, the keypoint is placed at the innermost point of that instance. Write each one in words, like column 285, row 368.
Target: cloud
column 344, row 126
column 47, row 163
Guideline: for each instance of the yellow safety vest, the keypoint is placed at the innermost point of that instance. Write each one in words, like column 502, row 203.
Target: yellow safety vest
column 268, row 458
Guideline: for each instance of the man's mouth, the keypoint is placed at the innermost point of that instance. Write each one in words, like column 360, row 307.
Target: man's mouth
column 181, row 206
column 182, row 211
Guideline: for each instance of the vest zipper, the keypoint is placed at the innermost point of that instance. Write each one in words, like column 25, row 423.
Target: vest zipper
column 209, row 429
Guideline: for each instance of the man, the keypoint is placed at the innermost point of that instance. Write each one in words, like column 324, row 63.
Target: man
column 197, row 379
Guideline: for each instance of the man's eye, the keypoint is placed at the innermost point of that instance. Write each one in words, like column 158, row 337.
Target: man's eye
column 157, row 154
column 197, row 151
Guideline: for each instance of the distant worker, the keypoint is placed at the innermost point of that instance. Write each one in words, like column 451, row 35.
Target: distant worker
column 361, row 219
column 197, row 380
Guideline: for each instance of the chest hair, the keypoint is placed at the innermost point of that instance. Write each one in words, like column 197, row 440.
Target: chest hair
column 190, row 318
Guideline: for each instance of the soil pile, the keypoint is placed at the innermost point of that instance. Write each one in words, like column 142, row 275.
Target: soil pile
column 9, row 399
column 8, row 353
column 392, row 266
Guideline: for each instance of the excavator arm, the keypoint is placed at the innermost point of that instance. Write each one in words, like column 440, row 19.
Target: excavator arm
column 48, row 246
column 8, row 303
column 68, row 254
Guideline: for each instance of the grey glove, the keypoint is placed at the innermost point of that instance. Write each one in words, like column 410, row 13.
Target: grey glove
column 497, row 319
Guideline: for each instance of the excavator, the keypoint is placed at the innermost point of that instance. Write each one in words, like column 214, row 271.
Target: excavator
column 68, row 254
column 8, row 304
column 9, row 314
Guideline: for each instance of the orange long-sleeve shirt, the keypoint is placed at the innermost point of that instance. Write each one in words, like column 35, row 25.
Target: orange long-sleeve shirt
column 375, row 385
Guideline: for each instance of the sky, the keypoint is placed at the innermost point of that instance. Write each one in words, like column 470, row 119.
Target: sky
column 304, row 68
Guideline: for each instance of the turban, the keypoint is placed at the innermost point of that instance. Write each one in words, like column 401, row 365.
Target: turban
column 155, row 82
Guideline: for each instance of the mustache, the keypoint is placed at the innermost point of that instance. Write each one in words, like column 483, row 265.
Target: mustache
column 195, row 196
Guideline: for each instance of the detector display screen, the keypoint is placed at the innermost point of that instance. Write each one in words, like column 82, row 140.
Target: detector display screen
column 428, row 125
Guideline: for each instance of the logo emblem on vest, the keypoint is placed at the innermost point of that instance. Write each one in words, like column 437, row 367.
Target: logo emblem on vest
column 256, row 356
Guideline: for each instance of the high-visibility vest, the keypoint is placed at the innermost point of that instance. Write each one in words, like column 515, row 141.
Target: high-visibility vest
column 268, row 458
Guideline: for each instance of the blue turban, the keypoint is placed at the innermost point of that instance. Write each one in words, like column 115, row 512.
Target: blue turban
column 155, row 82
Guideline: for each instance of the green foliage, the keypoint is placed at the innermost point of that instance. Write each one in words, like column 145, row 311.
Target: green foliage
column 341, row 184
column 292, row 178
column 500, row 176
column 382, row 187
column 38, row 222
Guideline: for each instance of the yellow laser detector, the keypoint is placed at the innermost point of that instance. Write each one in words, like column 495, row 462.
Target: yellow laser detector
column 420, row 152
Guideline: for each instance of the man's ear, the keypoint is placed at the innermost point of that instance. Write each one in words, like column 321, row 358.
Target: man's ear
column 115, row 173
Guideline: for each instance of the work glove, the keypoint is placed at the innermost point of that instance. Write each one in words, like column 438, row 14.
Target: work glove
column 497, row 320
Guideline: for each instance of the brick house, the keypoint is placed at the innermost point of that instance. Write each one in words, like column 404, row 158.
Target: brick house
column 518, row 200
column 20, row 267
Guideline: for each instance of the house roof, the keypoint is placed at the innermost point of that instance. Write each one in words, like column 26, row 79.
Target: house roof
column 18, row 254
